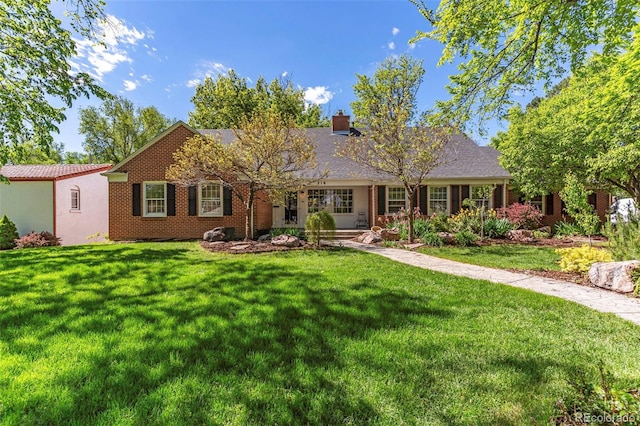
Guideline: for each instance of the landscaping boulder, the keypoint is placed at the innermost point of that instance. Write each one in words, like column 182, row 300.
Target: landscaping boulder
column 447, row 238
column 521, row 235
column 215, row 234
column 390, row 234
column 369, row 237
column 615, row 276
column 286, row 241
column 264, row 238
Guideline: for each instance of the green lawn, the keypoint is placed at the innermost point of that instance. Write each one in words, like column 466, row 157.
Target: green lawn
column 502, row 256
column 168, row 334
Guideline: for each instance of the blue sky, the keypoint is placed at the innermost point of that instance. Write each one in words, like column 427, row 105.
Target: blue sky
column 157, row 51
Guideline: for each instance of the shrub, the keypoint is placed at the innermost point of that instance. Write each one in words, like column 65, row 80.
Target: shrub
column 567, row 229
column 432, row 239
column 624, row 240
column 320, row 225
column 439, row 222
column 465, row 238
column 8, row 233
column 599, row 401
column 523, row 216
column 421, row 227
column 580, row 259
column 34, row 239
column 466, row 220
column 294, row 232
column 497, row 228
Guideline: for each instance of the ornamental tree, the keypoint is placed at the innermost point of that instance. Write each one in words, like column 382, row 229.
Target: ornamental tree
column 396, row 142
column 269, row 155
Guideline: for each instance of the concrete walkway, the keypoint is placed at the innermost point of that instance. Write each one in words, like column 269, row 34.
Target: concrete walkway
column 593, row 297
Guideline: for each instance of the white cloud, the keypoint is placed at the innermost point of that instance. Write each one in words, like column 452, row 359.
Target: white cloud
column 317, row 95
column 395, row 31
column 146, row 77
column 412, row 46
column 130, row 85
column 206, row 69
column 285, row 74
column 193, row 82
column 391, row 45
column 118, row 40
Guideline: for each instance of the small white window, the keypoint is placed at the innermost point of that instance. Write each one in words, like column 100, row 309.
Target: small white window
column 438, row 199
column 155, row 199
column 396, row 199
column 75, row 199
column 210, row 196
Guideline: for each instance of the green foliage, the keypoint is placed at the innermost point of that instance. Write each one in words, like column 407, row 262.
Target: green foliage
column 432, row 239
column 397, row 141
column 495, row 227
column 320, row 225
column 117, row 128
column 466, row 220
column 8, row 233
column 575, row 196
column 294, row 232
column 602, row 401
column 623, row 239
column 439, row 222
column 566, row 229
column 36, row 70
column 580, row 259
column 509, row 46
column 465, row 238
column 31, row 153
column 539, row 235
column 588, row 127
column 227, row 101
column 421, row 226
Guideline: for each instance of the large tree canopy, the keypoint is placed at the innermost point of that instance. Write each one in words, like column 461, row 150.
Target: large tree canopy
column 509, row 46
column 35, row 72
column 117, row 128
column 588, row 127
column 396, row 141
column 225, row 102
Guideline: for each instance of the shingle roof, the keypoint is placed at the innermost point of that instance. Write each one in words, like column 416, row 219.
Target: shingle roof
column 464, row 158
column 50, row 171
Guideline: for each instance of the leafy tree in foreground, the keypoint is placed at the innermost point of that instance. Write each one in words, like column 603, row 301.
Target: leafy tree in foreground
column 35, row 50
column 395, row 143
column 269, row 154
column 30, row 153
column 509, row 46
column 117, row 128
column 224, row 103
column 589, row 127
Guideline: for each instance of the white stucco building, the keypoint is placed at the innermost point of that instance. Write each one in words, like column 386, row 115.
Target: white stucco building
column 69, row 200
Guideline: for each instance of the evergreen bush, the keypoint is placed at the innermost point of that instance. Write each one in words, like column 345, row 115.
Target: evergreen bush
column 8, row 233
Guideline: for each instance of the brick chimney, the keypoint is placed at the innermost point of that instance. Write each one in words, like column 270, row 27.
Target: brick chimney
column 340, row 124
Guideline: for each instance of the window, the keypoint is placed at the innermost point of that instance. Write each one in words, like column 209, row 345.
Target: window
column 332, row 200
column 210, row 199
column 476, row 196
column 396, row 199
column 438, row 197
column 535, row 201
column 155, row 199
column 75, row 199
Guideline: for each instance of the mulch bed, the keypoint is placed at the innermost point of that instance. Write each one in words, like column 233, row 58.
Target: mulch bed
column 240, row 247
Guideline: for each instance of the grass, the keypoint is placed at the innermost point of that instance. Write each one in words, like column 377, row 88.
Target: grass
column 502, row 256
column 168, row 334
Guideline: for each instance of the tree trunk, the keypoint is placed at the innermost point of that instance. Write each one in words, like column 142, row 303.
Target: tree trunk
column 247, row 221
column 410, row 234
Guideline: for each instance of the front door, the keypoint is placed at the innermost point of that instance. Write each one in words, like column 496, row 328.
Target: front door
column 286, row 215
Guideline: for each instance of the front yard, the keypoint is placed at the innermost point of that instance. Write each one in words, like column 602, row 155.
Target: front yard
column 170, row 334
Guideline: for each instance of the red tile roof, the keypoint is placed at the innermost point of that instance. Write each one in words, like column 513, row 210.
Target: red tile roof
column 50, row 171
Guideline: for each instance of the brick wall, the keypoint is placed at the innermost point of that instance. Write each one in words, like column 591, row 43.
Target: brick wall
column 150, row 165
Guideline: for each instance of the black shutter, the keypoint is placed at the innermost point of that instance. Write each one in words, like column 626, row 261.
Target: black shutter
column 497, row 197
column 455, row 199
column 193, row 200
column 414, row 200
column 381, row 199
column 465, row 193
column 549, row 205
column 171, row 199
column 135, row 198
column 423, row 199
column 227, row 209
column 593, row 200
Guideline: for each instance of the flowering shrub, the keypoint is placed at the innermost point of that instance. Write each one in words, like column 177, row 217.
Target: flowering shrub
column 469, row 220
column 523, row 216
column 33, row 239
column 580, row 259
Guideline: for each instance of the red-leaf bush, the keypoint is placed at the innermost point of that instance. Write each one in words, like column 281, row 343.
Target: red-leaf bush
column 34, row 239
column 523, row 216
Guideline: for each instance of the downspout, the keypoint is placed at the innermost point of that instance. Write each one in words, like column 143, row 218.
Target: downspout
column 55, row 208
column 251, row 225
column 372, row 215
column 505, row 201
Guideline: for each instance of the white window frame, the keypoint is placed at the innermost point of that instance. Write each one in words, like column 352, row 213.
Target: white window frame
column 75, row 199
column 478, row 201
column 396, row 200
column 330, row 199
column 202, row 200
column 539, row 204
column 431, row 210
column 145, row 204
